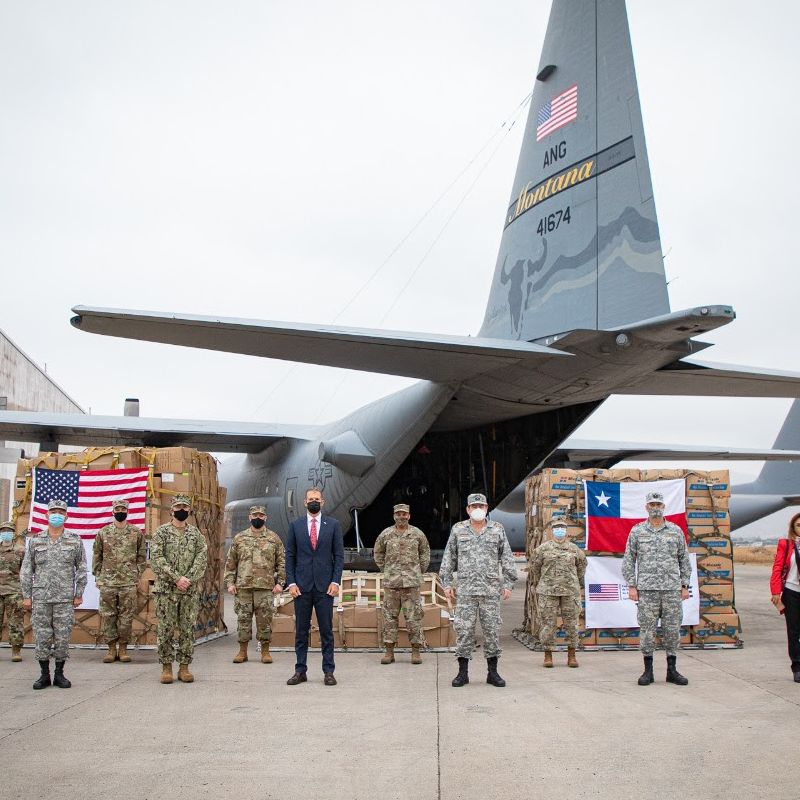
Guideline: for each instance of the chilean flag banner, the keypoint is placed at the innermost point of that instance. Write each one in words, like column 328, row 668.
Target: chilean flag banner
column 612, row 509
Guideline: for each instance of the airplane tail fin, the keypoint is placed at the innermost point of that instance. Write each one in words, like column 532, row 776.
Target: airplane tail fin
column 580, row 247
column 783, row 477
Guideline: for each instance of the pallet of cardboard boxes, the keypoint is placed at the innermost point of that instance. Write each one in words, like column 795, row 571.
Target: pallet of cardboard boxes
column 172, row 470
column 559, row 494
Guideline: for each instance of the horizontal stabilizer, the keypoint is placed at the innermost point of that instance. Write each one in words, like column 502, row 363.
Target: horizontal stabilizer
column 586, row 453
column 697, row 379
column 97, row 431
column 433, row 357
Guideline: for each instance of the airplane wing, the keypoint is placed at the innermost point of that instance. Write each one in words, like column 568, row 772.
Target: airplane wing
column 83, row 429
column 703, row 379
column 578, row 453
column 432, row 357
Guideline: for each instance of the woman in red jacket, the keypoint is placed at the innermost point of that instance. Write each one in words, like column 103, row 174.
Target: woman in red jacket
column 785, row 588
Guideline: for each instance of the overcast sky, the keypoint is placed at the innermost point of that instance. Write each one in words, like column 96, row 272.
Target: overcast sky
column 263, row 159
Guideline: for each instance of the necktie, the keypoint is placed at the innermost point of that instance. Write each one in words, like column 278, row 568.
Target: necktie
column 313, row 533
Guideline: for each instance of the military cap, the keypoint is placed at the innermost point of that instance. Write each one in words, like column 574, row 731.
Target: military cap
column 402, row 507
column 655, row 497
column 477, row 498
column 558, row 523
column 258, row 509
column 8, row 525
column 55, row 503
column 120, row 501
column 181, row 500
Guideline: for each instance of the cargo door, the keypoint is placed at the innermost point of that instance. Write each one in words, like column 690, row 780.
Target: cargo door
column 290, row 497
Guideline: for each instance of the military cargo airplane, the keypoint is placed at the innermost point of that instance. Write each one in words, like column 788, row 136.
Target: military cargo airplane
column 578, row 310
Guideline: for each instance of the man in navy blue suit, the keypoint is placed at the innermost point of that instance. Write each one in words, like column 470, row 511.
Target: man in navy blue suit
column 314, row 561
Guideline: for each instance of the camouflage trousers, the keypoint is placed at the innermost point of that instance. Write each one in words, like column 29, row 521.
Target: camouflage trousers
column 11, row 610
column 248, row 603
column 409, row 601
column 667, row 605
column 550, row 606
column 470, row 608
column 117, row 607
column 176, row 612
column 52, row 626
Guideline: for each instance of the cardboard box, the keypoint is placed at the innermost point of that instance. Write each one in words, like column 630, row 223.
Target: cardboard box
column 707, row 503
column 716, row 598
column 617, row 637
column 703, row 484
column 711, row 546
column 717, row 629
column 714, row 569
column 707, row 518
column 609, row 475
column 662, row 474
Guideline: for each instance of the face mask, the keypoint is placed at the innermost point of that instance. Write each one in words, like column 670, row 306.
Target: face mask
column 6, row 536
column 120, row 516
column 258, row 522
column 181, row 514
column 313, row 506
column 559, row 534
column 655, row 513
column 401, row 522
column 57, row 520
column 478, row 514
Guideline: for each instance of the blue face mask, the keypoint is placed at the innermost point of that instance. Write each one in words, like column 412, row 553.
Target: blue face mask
column 6, row 536
column 559, row 534
column 57, row 520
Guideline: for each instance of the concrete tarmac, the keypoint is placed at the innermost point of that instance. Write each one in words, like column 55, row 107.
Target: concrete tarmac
column 402, row 731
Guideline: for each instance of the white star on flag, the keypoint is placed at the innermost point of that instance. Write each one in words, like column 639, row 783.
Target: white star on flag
column 602, row 499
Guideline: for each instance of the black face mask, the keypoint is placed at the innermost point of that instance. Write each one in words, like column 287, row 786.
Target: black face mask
column 181, row 514
column 120, row 516
column 257, row 522
column 313, row 506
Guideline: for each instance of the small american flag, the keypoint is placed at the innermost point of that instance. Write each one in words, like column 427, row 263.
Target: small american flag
column 560, row 111
column 604, row 591
column 88, row 495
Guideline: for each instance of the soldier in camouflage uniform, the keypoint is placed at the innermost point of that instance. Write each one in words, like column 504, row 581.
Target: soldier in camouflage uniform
column 478, row 551
column 53, row 578
column 402, row 553
column 119, row 556
column 12, row 552
column 657, row 569
column 557, row 570
column 178, row 556
column 255, row 572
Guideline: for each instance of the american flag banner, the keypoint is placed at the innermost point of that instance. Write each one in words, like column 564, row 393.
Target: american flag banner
column 88, row 495
column 557, row 113
column 604, row 591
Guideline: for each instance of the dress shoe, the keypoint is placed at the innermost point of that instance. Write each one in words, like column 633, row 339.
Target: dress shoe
column 329, row 679
column 298, row 677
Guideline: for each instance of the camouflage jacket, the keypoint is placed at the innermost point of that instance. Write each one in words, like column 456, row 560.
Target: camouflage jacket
column 402, row 556
column 11, row 555
column 256, row 560
column 656, row 558
column 119, row 556
column 176, row 553
column 557, row 569
column 478, row 559
column 54, row 570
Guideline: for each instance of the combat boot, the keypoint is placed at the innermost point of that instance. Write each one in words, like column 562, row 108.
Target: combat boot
column 572, row 660
column 493, row 676
column 673, row 676
column 111, row 656
column 184, row 675
column 241, row 656
column 548, row 659
column 388, row 656
column 122, row 653
column 416, row 656
column 646, row 678
column 44, row 678
column 266, row 656
column 59, row 679
column 16, row 654
column 166, row 673
column 463, row 672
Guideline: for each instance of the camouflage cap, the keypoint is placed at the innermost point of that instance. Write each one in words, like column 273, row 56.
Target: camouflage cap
column 7, row 525
column 558, row 523
column 258, row 509
column 477, row 499
column 181, row 500
column 402, row 507
column 120, row 501
column 655, row 497
column 55, row 503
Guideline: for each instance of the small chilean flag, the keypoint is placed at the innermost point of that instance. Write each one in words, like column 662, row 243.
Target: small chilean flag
column 612, row 509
